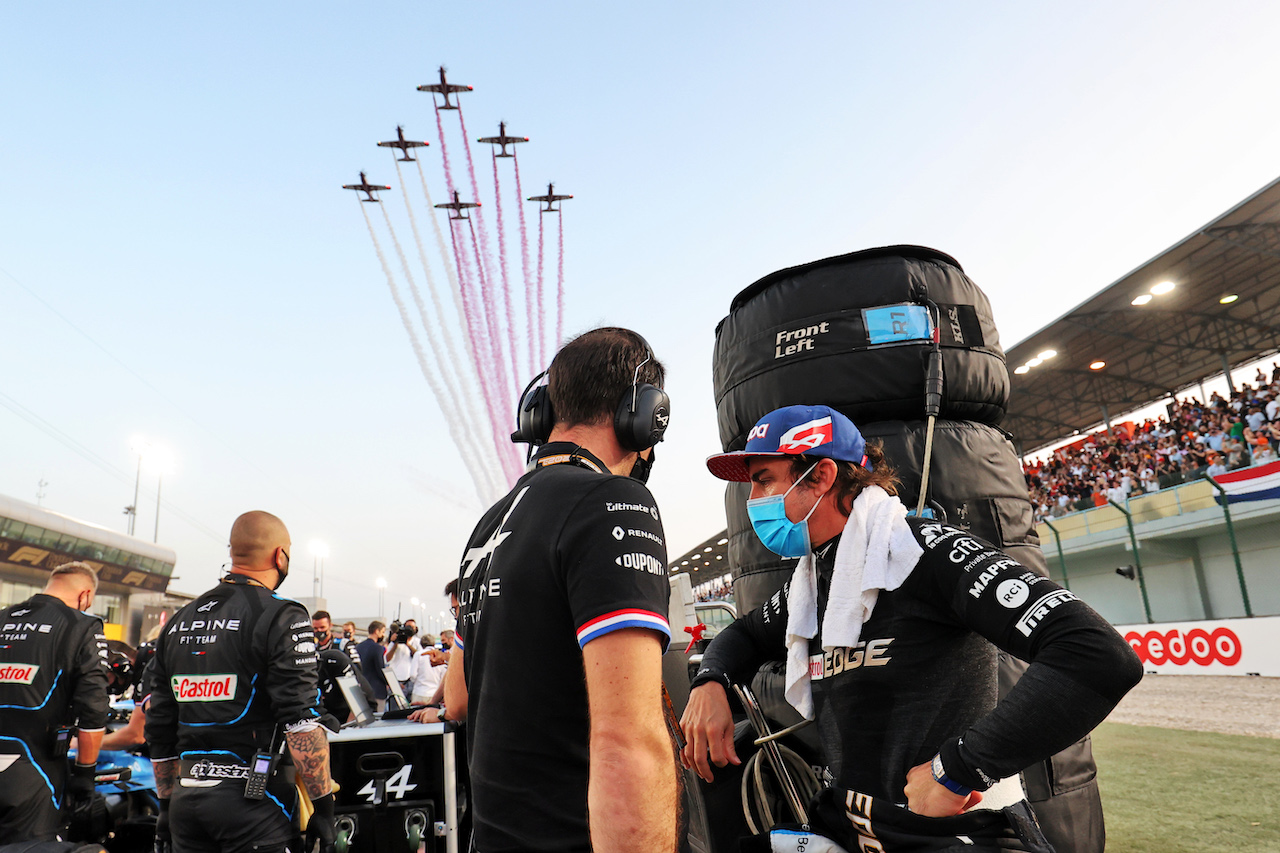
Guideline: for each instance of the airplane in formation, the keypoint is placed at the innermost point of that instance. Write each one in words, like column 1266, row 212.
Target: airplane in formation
column 444, row 87
column 503, row 140
column 367, row 188
column 549, row 199
column 458, row 206
column 403, row 144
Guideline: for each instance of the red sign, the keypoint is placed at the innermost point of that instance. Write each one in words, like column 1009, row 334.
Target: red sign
column 1194, row 646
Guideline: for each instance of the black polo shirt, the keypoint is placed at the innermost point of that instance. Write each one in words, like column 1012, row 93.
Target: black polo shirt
column 570, row 554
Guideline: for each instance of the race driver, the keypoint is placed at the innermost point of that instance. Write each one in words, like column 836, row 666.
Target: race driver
column 233, row 681
column 890, row 628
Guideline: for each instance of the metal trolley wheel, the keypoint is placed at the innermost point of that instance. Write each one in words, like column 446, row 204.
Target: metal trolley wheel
column 346, row 827
column 415, row 828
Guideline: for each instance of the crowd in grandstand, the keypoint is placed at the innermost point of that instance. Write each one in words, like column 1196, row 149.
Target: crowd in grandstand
column 1195, row 440
column 718, row 592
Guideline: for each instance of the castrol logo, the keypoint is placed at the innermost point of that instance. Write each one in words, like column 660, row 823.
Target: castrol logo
column 18, row 673
column 1179, row 648
column 204, row 688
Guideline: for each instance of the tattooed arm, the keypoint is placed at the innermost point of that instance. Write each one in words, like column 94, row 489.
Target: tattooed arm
column 310, row 750
column 166, row 771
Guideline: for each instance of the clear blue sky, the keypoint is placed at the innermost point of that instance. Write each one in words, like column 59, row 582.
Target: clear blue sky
column 171, row 183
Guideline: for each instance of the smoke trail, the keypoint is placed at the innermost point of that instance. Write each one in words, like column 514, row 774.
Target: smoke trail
column 417, row 345
column 537, row 358
column 450, row 271
column 484, row 370
column 560, row 283
column 542, row 333
column 466, row 366
column 484, row 249
column 445, row 364
column 505, row 413
column 513, row 335
column 467, row 286
column 444, row 336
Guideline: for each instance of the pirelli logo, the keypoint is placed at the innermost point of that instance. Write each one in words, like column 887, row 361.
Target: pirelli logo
column 204, row 688
column 18, row 673
column 1036, row 612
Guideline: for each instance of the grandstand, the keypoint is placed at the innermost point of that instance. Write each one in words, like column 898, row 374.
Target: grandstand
column 133, row 574
column 1204, row 308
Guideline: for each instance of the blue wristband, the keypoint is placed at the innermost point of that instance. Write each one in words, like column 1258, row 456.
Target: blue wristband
column 940, row 776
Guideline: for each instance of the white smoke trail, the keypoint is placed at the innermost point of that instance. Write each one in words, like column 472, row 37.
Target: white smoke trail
column 444, row 346
column 432, row 383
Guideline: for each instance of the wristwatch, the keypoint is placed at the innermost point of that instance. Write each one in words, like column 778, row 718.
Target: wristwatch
column 440, row 714
column 940, row 776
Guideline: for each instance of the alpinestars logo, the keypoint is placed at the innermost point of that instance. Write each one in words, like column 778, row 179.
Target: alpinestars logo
column 806, row 436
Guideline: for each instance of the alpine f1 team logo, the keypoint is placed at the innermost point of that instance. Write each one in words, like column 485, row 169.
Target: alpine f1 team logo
column 204, row 688
column 805, row 437
column 18, row 673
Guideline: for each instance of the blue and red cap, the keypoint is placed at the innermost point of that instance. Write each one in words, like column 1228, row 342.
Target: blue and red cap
column 794, row 431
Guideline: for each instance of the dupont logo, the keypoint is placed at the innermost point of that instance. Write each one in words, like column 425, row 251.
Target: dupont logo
column 204, row 688
column 18, row 673
column 1195, row 646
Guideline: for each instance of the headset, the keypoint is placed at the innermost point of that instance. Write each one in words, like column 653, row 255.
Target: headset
column 639, row 422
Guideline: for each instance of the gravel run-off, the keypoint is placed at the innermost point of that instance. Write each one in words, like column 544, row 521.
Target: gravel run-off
column 1230, row 704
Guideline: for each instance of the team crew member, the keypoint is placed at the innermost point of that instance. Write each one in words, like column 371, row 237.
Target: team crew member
column 233, row 681
column 53, row 681
column 890, row 628
column 564, row 598
column 335, row 664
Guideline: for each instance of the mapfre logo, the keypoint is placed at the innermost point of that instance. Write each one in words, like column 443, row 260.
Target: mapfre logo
column 204, row 688
column 805, row 437
column 1178, row 648
column 18, row 673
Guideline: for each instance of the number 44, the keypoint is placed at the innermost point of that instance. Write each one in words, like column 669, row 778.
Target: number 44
column 398, row 785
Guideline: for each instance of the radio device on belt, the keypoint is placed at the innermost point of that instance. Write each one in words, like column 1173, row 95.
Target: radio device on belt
column 261, row 768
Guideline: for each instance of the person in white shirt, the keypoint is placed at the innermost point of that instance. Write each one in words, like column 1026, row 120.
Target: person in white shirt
column 426, row 674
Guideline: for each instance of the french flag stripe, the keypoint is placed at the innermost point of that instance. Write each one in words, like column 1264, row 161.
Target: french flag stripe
column 633, row 618
column 1252, row 484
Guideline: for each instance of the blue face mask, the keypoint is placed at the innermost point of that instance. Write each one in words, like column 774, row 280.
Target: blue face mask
column 780, row 534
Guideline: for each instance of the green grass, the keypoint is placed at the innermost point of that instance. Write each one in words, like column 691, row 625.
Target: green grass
column 1173, row 791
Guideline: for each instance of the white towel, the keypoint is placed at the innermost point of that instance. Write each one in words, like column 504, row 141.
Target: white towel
column 876, row 551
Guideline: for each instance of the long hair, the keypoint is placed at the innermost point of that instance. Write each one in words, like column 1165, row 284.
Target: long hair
column 852, row 478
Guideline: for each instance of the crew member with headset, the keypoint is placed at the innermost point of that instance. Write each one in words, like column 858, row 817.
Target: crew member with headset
column 233, row 682
column 53, row 683
column 573, row 557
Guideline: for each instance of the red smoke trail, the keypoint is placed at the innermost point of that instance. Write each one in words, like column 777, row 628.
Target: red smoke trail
column 489, row 365
column 542, row 333
column 537, row 358
column 560, row 283
column 483, row 249
column 483, row 369
column 444, row 154
column 505, row 411
column 512, row 331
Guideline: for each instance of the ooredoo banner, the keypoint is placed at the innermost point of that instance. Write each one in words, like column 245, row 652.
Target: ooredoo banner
column 1211, row 647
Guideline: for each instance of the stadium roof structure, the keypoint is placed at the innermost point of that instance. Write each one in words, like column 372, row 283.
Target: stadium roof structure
column 706, row 561
column 1118, row 351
